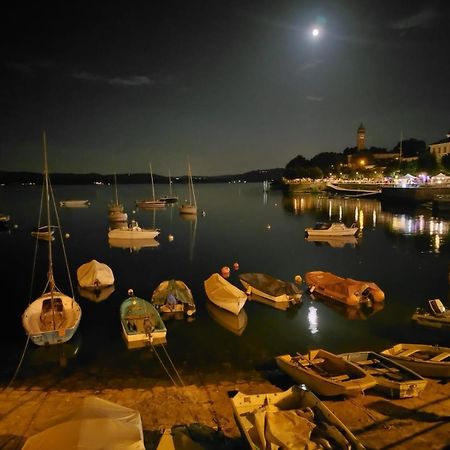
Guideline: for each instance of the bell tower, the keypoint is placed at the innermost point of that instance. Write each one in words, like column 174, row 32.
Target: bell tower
column 361, row 137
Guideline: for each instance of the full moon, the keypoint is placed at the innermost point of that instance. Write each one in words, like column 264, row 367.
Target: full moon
column 315, row 32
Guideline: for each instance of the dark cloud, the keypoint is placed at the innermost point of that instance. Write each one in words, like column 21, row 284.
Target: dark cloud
column 132, row 81
column 421, row 19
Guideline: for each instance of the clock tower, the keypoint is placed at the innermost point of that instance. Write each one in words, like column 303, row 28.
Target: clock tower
column 361, row 137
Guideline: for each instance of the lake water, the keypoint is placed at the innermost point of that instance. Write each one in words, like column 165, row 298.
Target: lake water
column 406, row 252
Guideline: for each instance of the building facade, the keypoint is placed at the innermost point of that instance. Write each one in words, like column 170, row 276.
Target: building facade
column 441, row 148
column 361, row 137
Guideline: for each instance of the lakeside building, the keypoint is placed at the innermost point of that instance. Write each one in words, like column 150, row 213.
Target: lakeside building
column 441, row 148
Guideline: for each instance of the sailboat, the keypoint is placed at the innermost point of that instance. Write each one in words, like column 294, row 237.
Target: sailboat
column 149, row 204
column 169, row 198
column 115, row 209
column 52, row 318
column 189, row 207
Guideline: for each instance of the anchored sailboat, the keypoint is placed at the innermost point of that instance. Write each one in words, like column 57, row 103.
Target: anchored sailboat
column 53, row 317
column 189, row 207
column 153, row 203
column 171, row 198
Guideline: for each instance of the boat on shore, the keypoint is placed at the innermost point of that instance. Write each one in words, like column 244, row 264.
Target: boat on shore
column 74, row 203
column 427, row 360
column 325, row 373
column 345, row 290
column 331, row 229
column 172, row 297
column 224, row 294
column 270, row 287
column 393, row 379
column 291, row 419
column 141, row 322
column 133, row 231
column 437, row 315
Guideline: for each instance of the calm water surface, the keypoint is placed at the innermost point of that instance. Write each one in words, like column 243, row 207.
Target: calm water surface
column 406, row 252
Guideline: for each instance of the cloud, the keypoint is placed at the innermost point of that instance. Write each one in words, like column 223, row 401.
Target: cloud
column 137, row 80
column 310, row 65
column 314, row 98
column 422, row 19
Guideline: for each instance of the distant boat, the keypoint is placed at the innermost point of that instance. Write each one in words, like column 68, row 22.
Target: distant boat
column 270, row 287
column 141, row 321
column 116, row 206
column 189, row 207
column 117, row 216
column 53, row 317
column 437, row 315
column 4, row 218
column 74, row 203
column 393, row 379
column 169, row 198
column 331, row 229
column 133, row 231
column 291, row 419
column 345, row 290
column 95, row 275
column 427, row 360
column 224, row 294
column 173, row 296
column 152, row 203
column 325, row 373
column 43, row 233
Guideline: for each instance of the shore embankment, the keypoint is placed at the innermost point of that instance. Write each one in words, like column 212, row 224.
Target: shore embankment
column 379, row 422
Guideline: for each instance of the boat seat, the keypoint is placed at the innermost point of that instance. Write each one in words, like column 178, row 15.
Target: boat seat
column 381, row 370
column 408, row 352
column 343, row 377
column 317, row 361
column 441, row 356
column 365, row 362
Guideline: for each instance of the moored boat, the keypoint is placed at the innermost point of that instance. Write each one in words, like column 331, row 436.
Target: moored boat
column 190, row 206
column 270, row 287
column 437, row 315
column 44, row 233
column 427, row 360
column 152, row 203
column 141, row 322
column 326, row 373
column 393, row 379
column 173, row 296
column 224, row 294
column 117, row 216
column 74, row 203
column 345, row 290
column 133, row 231
column 331, row 229
column 95, row 275
column 292, row 419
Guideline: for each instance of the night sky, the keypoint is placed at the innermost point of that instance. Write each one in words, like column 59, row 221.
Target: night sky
column 230, row 85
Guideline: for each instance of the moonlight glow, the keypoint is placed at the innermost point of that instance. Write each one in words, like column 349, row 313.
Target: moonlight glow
column 315, row 32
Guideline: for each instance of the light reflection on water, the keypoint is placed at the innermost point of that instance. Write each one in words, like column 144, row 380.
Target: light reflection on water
column 405, row 251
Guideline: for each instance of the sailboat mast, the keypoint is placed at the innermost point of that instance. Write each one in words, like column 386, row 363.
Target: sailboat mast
column 170, row 185
column 115, row 186
column 151, row 176
column 191, row 181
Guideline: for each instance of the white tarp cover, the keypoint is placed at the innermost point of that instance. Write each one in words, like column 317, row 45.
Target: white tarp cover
column 96, row 424
column 94, row 274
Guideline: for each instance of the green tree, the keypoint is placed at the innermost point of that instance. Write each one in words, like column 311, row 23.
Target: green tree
column 445, row 161
column 297, row 168
column 427, row 161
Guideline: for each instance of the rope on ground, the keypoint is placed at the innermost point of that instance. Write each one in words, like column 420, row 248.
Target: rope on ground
column 163, row 365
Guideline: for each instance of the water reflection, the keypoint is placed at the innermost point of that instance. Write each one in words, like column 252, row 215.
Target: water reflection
column 313, row 320
column 59, row 353
column 133, row 245
column 336, row 242
column 96, row 295
column 357, row 312
column 227, row 320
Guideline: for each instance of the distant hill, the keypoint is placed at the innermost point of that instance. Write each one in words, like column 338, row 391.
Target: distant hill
column 253, row 176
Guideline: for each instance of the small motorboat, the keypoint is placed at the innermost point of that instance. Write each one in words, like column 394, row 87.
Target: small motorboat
column 173, row 296
column 294, row 419
column 326, row 373
column 437, row 315
column 345, row 290
column 224, row 294
column 427, row 360
column 331, row 229
column 393, row 379
column 133, row 231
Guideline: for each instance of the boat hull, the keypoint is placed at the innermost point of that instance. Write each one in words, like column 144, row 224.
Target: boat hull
column 334, row 230
column 188, row 209
column 36, row 330
column 130, row 233
column 74, row 203
column 224, row 294
column 325, row 373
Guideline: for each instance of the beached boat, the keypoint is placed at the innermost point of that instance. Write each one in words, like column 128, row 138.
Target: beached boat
column 292, row 419
column 437, row 315
column 141, row 321
column 43, row 233
column 173, row 296
column 224, row 294
column 133, row 231
column 331, row 229
column 270, row 287
column 189, row 207
column 95, row 275
column 236, row 324
column 152, row 203
column 74, row 203
column 53, row 317
column 427, row 360
column 345, row 290
column 326, row 373
column 393, row 379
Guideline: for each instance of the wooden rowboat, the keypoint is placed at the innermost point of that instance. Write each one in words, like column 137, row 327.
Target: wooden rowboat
column 224, row 294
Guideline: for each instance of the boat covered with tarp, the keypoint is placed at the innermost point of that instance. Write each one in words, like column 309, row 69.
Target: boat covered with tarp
column 173, row 296
column 95, row 275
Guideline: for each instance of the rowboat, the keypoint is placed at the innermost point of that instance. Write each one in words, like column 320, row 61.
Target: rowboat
column 427, row 360
column 393, row 379
column 292, row 419
column 269, row 287
column 141, row 322
column 345, row 290
column 224, row 294
column 437, row 315
column 173, row 296
column 331, row 229
column 326, row 373
column 44, row 233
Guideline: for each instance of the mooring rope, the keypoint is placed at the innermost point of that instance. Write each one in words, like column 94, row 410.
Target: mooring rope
column 163, row 365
